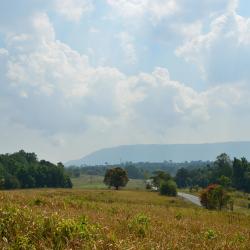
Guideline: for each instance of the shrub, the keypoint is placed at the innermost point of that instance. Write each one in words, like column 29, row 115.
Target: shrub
column 168, row 188
column 214, row 197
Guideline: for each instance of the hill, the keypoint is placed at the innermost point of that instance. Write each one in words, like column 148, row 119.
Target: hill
column 164, row 152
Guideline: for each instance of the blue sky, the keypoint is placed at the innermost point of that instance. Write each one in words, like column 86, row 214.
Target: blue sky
column 80, row 75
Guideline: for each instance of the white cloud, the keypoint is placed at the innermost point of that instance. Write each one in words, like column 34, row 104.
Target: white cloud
column 56, row 90
column 60, row 91
column 50, row 91
column 221, row 53
column 156, row 9
column 73, row 10
column 128, row 47
column 3, row 52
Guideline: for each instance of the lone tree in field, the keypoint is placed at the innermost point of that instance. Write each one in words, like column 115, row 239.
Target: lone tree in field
column 116, row 177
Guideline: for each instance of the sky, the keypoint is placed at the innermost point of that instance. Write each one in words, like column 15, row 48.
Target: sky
column 80, row 75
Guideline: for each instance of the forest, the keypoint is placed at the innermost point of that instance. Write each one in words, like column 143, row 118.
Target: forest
column 224, row 171
column 24, row 170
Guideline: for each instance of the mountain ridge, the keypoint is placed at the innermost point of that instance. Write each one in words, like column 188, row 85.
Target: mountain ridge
column 164, row 152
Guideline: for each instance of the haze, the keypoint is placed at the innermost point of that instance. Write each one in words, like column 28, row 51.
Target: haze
column 80, row 75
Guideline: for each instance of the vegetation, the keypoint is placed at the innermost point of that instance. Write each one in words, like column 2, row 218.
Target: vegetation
column 23, row 170
column 139, row 170
column 159, row 177
column 214, row 197
column 81, row 219
column 223, row 171
column 116, row 177
column 168, row 188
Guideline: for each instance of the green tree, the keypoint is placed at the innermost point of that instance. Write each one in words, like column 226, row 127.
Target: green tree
column 225, row 181
column 222, row 166
column 159, row 177
column 23, row 170
column 241, row 174
column 168, row 188
column 133, row 172
column 116, row 177
column 182, row 178
column 214, row 197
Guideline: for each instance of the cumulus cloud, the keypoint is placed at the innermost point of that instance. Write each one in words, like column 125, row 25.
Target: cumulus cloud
column 73, row 10
column 68, row 94
column 221, row 53
column 128, row 47
column 48, row 87
column 156, row 9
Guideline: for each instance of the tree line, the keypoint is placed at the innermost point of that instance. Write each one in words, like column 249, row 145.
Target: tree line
column 24, row 170
column 223, row 171
column 139, row 170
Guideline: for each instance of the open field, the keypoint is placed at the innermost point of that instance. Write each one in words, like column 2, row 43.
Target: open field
column 107, row 219
column 96, row 182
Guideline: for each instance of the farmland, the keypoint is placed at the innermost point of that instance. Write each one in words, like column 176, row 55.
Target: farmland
column 108, row 219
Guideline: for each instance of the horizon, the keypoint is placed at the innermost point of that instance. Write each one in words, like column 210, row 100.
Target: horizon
column 78, row 76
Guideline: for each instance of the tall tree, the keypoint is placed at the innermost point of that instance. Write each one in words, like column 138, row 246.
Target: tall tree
column 116, row 177
column 223, row 166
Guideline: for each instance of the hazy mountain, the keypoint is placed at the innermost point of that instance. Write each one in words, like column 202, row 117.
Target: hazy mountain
column 159, row 153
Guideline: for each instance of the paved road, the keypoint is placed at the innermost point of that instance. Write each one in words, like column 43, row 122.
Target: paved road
column 192, row 198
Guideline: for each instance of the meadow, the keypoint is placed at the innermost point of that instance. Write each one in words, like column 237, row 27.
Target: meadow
column 96, row 182
column 108, row 219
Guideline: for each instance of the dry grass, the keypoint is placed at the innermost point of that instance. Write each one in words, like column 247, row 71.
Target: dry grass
column 106, row 219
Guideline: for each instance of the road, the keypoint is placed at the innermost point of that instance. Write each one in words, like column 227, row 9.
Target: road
column 192, row 198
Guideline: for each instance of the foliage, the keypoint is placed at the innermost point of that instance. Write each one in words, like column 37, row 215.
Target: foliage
column 136, row 170
column 160, row 177
column 222, row 166
column 214, row 197
column 133, row 172
column 116, row 177
column 182, row 178
column 223, row 171
column 225, row 181
column 241, row 174
column 168, row 188
column 23, row 170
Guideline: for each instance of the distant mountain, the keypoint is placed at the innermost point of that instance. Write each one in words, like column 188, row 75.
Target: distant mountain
column 160, row 153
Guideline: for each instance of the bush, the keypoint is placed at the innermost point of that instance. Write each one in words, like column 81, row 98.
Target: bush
column 214, row 197
column 168, row 188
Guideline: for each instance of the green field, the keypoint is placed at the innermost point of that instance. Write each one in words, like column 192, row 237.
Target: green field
column 96, row 182
column 108, row 219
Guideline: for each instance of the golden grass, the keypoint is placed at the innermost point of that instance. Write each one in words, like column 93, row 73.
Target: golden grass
column 107, row 219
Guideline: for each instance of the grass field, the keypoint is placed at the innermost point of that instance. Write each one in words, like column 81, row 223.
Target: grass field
column 108, row 219
column 96, row 182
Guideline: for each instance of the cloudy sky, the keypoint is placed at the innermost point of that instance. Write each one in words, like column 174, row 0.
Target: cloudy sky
column 80, row 75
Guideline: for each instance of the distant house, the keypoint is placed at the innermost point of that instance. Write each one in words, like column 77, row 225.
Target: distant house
column 150, row 185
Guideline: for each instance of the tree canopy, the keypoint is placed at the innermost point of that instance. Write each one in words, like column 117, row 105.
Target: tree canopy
column 24, row 170
column 116, row 177
column 223, row 171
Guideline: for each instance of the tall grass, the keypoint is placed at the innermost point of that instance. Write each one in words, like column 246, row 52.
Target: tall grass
column 107, row 219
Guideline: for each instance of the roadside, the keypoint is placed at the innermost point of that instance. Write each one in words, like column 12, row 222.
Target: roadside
column 192, row 198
